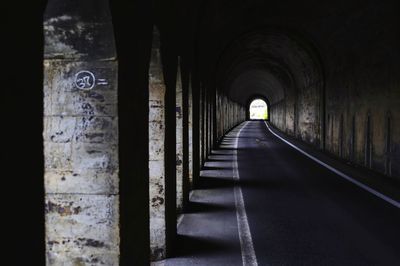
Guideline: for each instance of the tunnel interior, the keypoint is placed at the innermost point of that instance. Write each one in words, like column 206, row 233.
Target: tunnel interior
column 167, row 82
column 279, row 67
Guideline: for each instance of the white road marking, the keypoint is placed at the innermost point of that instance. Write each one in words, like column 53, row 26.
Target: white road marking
column 246, row 241
column 348, row 178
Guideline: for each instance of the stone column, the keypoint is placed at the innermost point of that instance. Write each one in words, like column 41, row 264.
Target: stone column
column 201, row 126
column 179, row 140
column 186, row 139
column 210, row 130
column 190, row 132
column 195, row 92
column 157, row 90
column 80, row 135
column 208, row 123
column 212, row 119
column 204, row 136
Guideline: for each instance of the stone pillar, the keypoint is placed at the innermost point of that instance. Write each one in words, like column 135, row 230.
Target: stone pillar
column 204, row 136
column 157, row 91
column 210, row 123
column 187, row 136
column 201, row 125
column 213, row 129
column 80, row 135
column 190, row 132
column 179, row 139
column 195, row 92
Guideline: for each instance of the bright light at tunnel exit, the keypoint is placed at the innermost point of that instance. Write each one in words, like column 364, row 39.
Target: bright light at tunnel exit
column 258, row 110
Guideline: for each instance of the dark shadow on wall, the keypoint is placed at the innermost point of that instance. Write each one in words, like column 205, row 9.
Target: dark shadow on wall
column 133, row 32
column 22, row 184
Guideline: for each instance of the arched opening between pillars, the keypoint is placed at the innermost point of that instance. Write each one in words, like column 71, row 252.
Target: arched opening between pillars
column 258, row 108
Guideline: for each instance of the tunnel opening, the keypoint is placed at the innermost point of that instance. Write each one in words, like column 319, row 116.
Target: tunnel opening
column 258, row 110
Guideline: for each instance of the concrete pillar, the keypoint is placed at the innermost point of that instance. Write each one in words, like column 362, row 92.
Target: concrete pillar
column 80, row 135
column 213, row 129
column 210, row 124
column 190, row 132
column 186, row 184
column 195, row 89
column 157, row 184
column 204, row 135
column 179, row 140
column 224, row 114
column 229, row 114
column 206, row 123
column 214, row 116
column 201, row 125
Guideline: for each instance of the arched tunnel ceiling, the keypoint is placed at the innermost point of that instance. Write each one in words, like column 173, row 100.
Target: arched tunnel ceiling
column 270, row 63
column 251, row 35
column 256, row 82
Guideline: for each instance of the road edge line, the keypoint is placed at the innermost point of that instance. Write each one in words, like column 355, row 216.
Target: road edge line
column 339, row 173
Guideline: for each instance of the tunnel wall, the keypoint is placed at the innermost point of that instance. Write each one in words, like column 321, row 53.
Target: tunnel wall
column 363, row 90
column 299, row 113
column 358, row 106
column 278, row 116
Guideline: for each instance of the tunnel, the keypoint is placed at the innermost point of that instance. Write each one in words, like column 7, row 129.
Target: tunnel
column 201, row 132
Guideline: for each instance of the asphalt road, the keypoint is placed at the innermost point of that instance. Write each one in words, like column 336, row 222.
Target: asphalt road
column 299, row 213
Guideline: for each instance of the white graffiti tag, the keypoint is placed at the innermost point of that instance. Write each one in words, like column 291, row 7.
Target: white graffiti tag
column 85, row 80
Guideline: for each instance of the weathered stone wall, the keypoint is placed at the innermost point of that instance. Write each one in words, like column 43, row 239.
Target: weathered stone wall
column 358, row 105
column 363, row 90
column 80, row 138
column 278, row 115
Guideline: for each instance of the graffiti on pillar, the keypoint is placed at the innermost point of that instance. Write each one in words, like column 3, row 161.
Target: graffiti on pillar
column 85, row 80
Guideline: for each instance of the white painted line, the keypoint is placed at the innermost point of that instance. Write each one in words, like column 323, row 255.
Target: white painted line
column 339, row 173
column 246, row 241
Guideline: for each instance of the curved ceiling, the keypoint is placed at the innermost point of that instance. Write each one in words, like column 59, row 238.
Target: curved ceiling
column 270, row 63
column 256, row 82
